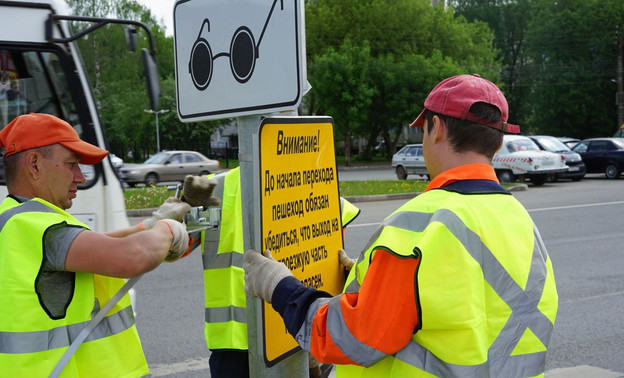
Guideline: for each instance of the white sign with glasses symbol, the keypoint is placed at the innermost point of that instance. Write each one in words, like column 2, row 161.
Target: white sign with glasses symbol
column 238, row 58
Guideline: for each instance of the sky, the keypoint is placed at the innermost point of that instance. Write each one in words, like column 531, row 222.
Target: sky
column 162, row 11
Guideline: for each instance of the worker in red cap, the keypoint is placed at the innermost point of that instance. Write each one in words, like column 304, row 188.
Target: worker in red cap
column 55, row 273
column 450, row 285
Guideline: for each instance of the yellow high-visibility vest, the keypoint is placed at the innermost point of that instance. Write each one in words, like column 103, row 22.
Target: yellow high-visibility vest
column 31, row 341
column 225, row 324
column 487, row 299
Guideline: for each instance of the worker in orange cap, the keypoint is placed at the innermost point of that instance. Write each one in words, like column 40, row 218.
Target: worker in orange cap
column 55, row 273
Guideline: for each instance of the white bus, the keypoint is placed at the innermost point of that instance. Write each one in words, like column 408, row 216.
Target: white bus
column 41, row 71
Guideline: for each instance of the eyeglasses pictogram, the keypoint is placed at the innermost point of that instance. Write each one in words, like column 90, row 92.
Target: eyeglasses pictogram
column 243, row 54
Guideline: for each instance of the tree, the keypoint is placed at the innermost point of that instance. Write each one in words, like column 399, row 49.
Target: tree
column 342, row 89
column 559, row 61
column 119, row 84
column 404, row 39
column 572, row 47
column 397, row 85
column 509, row 20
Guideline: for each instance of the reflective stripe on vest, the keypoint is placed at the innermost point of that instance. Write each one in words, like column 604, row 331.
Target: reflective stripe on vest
column 523, row 303
column 30, row 206
column 62, row 337
column 36, row 343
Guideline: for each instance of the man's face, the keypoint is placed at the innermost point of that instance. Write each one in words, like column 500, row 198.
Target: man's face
column 60, row 176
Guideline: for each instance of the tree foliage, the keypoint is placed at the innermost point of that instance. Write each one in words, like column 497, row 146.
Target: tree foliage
column 371, row 64
column 558, row 61
column 118, row 83
column 391, row 51
column 343, row 90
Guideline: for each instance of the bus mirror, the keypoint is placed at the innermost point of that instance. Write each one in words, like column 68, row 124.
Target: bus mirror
column 151, row 77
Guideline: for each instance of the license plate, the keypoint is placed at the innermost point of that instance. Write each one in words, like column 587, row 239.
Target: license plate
column 573, row 169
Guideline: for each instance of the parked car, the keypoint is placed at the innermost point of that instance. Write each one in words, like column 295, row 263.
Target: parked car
column 116, row 161
column 409, row 161
column 602, row 155
column 168, row 166
column 576, row 167
column 520, row 158
column 570, row 142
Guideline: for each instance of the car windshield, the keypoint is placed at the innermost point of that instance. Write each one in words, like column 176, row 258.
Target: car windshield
column 522, row 145
column 619, row 143
column 159, row 158
column 553, row 144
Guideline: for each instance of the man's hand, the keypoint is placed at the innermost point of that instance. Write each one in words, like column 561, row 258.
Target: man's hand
column 172, row 208
column 262, row 274
column 345, row 260
column 179, row 242
column 198, row 191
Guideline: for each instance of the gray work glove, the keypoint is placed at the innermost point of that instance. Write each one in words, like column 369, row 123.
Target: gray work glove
column 172, row 208
column 180, row 241
column 345, row 260
column 198, row 191
column 262, row 274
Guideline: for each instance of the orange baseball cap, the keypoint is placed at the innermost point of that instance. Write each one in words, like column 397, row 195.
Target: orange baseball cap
column 455, row 95
column 38, row 130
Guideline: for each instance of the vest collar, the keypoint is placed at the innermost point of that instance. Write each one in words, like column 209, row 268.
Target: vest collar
column 476, row 171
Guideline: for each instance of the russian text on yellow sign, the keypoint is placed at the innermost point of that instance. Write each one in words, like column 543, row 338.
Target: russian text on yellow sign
column 300, row 212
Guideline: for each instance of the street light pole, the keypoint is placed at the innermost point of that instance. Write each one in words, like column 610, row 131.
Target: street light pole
column 620, row 99
column 156, row 113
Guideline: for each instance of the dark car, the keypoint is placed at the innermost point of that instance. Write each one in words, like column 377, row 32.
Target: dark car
column 168, row 166
column 602, row 155
column 576, row 167
column 570, row 142
column 409, row 161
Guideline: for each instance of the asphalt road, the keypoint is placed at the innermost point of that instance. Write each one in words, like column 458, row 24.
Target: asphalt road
column 581, row 223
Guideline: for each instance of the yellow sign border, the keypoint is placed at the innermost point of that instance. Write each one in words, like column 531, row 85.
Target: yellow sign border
column 311, row 183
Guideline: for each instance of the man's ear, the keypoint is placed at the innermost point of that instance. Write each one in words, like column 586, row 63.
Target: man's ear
column 439, row 129
column 33, row 160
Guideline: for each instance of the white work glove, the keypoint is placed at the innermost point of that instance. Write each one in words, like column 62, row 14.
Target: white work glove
column 198, row 191
column 172, row 208
column 262, row 274
column 179, row 242
column 345, row 260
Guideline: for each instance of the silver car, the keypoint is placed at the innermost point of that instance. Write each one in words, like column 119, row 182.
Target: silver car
column 168, row 166
column 409, row 161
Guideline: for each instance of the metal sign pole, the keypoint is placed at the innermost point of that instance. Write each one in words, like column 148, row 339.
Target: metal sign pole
column 249, row 155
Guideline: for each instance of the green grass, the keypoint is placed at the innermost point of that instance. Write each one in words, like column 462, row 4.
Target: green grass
column 373, row 187
column 154, row 196
column 146, row 197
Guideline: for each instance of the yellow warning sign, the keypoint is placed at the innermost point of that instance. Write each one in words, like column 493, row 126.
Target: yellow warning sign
column 300, row 212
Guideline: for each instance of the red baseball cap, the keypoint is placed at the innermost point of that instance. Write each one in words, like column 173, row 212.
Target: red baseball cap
column 454, row 96
column 38, row 129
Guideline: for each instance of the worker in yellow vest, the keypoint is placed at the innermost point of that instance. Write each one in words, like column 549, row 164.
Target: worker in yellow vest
column 456, row 283
column 225, row 328
column 55, row 273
